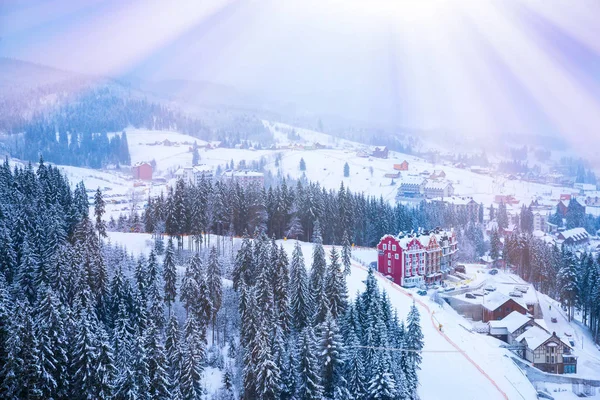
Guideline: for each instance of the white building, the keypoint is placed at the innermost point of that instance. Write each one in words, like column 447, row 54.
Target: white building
column 193, row 175
column 245, row 178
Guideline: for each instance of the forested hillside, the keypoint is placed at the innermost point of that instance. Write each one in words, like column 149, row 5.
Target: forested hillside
column 82, row 319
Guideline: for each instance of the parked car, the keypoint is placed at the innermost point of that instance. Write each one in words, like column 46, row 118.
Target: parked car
column 450, row 289
column 464, row 287
column 493, row 271
column 516, row 293
column 422, row 292
column 470, row 296
column 522, row 289
column 553, row 319
column 490, row 288
column 435, row 287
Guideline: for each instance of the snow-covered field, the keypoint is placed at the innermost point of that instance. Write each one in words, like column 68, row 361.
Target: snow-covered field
column 468, row 369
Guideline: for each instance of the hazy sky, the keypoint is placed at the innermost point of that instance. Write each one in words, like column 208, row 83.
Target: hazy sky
column 479, row 67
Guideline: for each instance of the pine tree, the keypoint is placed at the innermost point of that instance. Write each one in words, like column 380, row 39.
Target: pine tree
column 332, row 357
column 502, row 216
column 346, row 254
column 495, row 245
column 413, row 340
column 382, row 385
column 568, row 276
column 173, row 355
column 157, row 374
column 267, row 372
column 354, row 367
column 170, row 275
column 85, row 357
column 300, row 295
column 319, row 265
column 99, row 209
column 302, row 165
column 191, row 372
column 309, row 380
column 346, row 170
column 335, row 286
column 52, row 336
column 215, row 290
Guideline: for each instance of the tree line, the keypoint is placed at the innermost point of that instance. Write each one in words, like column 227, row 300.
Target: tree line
column 226, row 208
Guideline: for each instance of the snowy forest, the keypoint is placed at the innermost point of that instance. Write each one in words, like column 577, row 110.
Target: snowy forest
column 229, row 209
column 80, row 318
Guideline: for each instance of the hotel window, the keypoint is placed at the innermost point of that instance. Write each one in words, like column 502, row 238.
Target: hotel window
column 389, row 255
column 396, row 256
column 389, row 262
column 385, row 246
column 393, row 247
column 389, row 270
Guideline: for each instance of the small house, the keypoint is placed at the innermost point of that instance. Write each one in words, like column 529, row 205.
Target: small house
column 380, row 152
column 393, row 175
column 496, row 306
column 403, row 166
column 143, row 171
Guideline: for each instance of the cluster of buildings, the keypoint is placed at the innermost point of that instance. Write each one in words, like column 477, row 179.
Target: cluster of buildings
column 375, row 151
column 531, row 339
column 417, row 259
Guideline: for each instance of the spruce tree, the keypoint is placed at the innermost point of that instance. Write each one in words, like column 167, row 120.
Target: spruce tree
column 170, row 275
column 300, row 295
column 413, row 340
column 335, row 286
column 309, row 379
column 215, row 289
column 319, row 264
column 332, row 354
column 346, row 254
column 99, row 210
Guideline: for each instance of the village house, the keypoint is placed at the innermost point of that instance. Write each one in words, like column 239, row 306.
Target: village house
column 393, row 175
column 380, row 152
column 142, row 171
column 547, row 352
column 413, row 260
column 497, row 305
column 403, row 166
column 438, row 174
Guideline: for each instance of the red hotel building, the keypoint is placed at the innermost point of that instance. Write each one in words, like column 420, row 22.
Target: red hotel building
column 412, row 260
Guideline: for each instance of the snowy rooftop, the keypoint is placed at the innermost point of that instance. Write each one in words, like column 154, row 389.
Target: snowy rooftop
column 412, row 180
column 575, row 234
column 437, row 185
column 511, row 322
column 494, row 300
column 534, row 337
